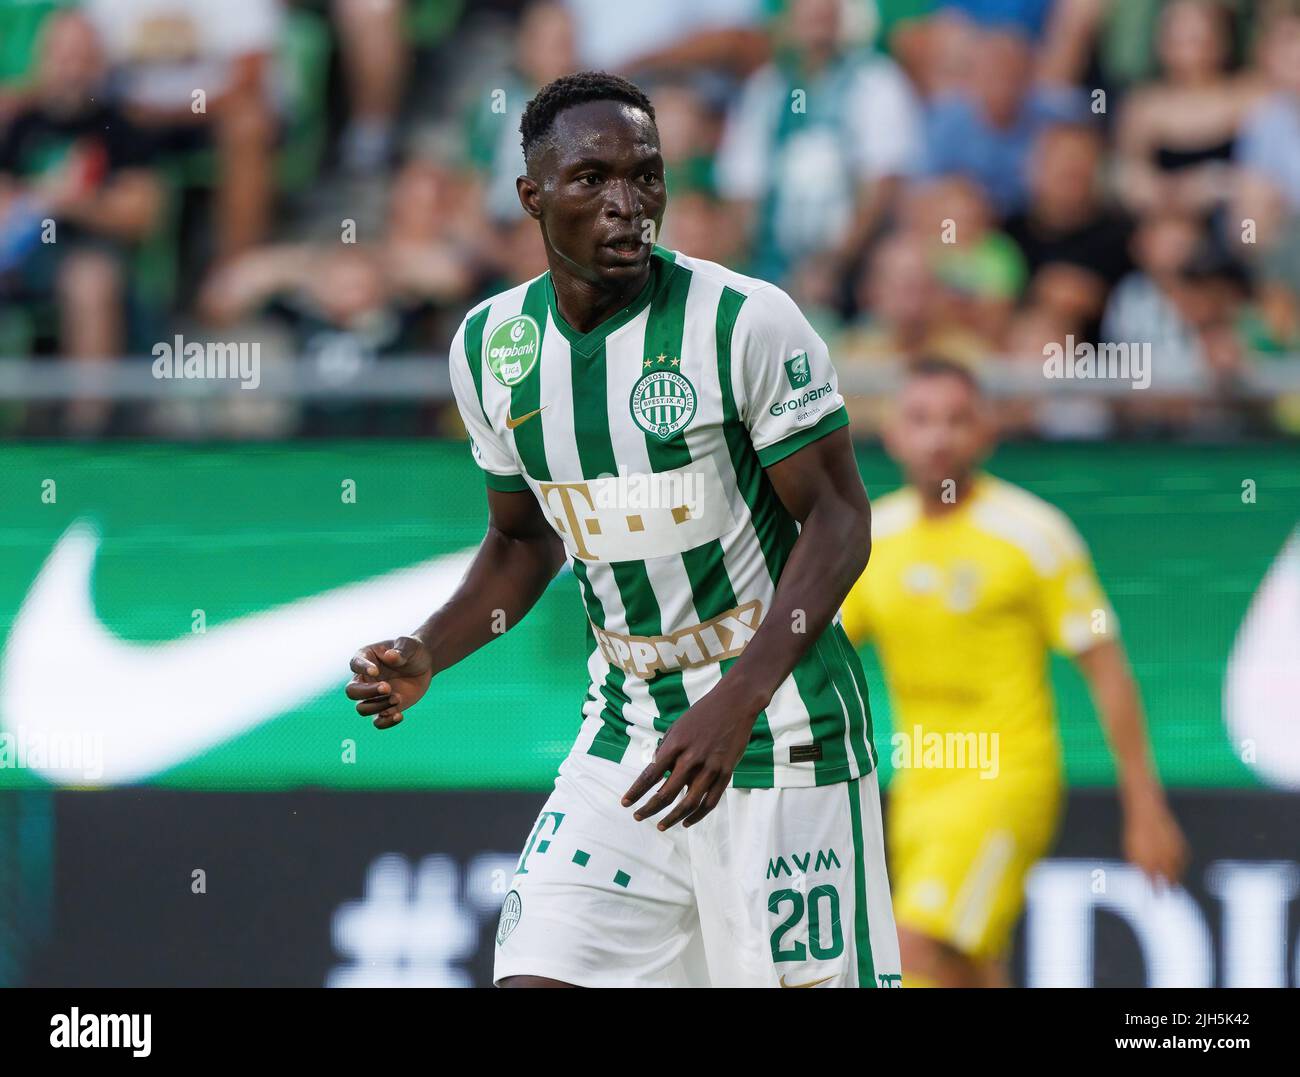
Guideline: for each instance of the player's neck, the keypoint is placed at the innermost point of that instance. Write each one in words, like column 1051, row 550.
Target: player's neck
column 584, row 304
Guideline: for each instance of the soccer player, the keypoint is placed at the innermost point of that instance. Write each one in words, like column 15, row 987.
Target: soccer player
column 971, row 581
column 674, row 429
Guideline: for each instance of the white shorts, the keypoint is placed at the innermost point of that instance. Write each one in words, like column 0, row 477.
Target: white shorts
column 774, row 888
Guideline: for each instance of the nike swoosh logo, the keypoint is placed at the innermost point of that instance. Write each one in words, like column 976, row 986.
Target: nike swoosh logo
column 1262, row 678
column 511, row 423
column 154, row 705
column 810, row 983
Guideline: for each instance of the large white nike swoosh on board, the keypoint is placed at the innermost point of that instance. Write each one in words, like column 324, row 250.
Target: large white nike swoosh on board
column 64, row 675
column 1261, row 690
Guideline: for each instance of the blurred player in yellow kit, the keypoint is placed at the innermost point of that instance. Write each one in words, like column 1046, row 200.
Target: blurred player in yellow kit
column 971, row 581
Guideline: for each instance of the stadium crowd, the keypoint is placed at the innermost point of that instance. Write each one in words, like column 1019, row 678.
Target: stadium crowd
column 967, row 179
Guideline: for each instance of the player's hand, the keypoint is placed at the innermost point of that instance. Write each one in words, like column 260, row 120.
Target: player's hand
column 701, row 750
column 1153, row 840
column 390, row 676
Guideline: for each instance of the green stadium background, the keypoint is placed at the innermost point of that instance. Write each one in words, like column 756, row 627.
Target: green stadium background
column 240, row 529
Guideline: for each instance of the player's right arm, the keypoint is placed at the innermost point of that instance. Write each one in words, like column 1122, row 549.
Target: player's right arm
column 518, row 557
column 1078, row 621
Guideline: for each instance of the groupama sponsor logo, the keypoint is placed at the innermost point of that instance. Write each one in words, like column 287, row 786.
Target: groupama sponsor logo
column 797, row 403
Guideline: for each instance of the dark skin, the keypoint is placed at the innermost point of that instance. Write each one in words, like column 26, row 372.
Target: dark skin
column 598, row 182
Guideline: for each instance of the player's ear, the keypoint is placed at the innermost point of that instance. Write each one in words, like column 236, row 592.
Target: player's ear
column 529, row 196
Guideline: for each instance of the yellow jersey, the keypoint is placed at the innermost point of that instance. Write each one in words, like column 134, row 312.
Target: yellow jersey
column 962, row 609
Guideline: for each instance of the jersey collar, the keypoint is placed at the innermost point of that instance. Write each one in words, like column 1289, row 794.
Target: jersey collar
column 586, row 343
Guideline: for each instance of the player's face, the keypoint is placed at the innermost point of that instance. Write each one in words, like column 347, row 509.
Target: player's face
column 938, row 431
column 599, row 188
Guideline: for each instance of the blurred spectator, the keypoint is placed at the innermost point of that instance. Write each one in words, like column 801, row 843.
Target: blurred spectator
column 341, row 311
column 544, row 51
column 76, row 193
column 699, row 224
column 433, row 238
column 1027, row 17
column 987, row 128
column 689, row 130
column 815, row 286
column 979, row 270
column 520, row 256
column 343, row 298
column 1176, row 136
column 903, row 320
column 933, row 48
column 376, row 57
column 935, row 40
column 1076, row 248
column 670, row 35
column 1182, row 299
column 1070, row 41
column 816, row 148
column 1126, row 46
column 523, row 254
column 1143, row 307
column 904, row 315
column 961, row 209
column 1265, row 224
column 199, row 78
column 1033, row 330
column 343, row 305
column 1269, row 146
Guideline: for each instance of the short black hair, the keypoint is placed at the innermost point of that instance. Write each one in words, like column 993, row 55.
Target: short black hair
column 576, row 89
column 936, row 366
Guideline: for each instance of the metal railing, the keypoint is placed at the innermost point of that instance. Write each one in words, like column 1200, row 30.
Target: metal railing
column 425, row 377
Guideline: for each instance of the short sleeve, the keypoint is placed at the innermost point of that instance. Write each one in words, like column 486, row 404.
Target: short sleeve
column 490, row 452
column 788, row 394
column 1073, row 608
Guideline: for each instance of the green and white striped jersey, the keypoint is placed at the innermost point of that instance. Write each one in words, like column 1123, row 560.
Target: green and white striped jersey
column 644, row 441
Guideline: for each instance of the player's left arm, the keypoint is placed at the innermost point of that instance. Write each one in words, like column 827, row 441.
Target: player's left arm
column 786, row 394
column 1079, row 622
column 1152, row 838
column 820, row 486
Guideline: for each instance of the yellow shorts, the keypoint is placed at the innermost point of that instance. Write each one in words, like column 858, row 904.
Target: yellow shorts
column 959, row 852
